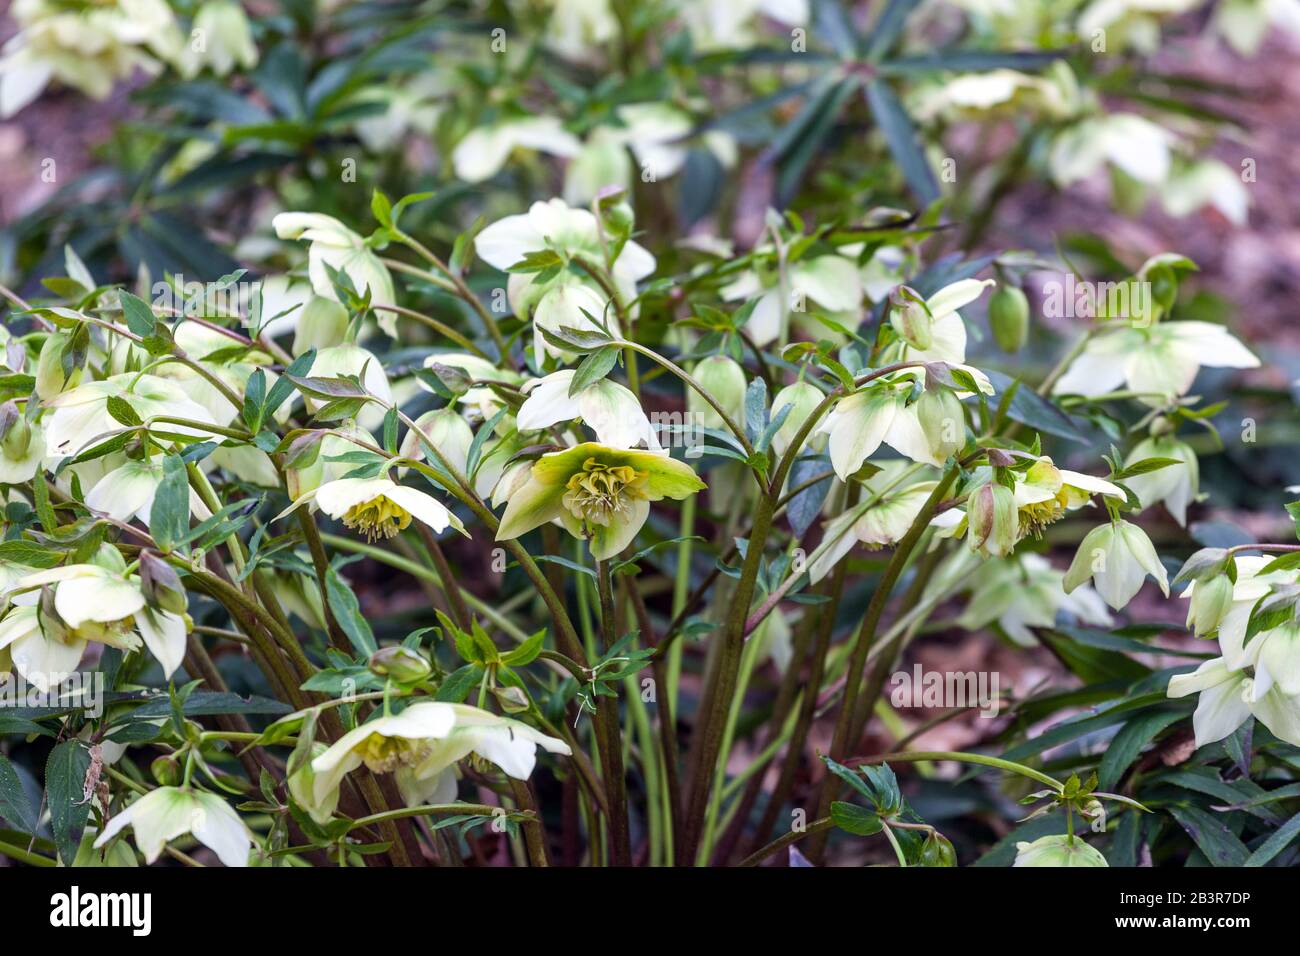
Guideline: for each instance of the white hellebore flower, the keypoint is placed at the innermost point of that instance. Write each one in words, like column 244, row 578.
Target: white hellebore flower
column 1161, row 360
column 1229, row 697
column 482, row 153
column 80, row 416
column 1025, row 592
column 96, row 604
column 419, row 745
column 338, row 247
column 128, row 491
column 609, row 409
column 566, row 300
column 377, row 507
column 164, row 814
column 1126, row 141
column 89, row 48
column 830, row 282
column 1207, row 182
column 1117, row 556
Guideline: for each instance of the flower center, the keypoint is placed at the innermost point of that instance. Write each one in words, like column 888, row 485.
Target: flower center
column 602, row 493
column 386, row 754
column 120, row 634
column 1037, row 516
column 377, row 518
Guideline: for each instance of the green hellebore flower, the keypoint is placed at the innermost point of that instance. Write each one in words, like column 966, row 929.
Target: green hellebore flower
column 1058, row 851
column 598, row 492
column 803, row 397
column 1118, row 557
column 1210, row 601
column 724, row 379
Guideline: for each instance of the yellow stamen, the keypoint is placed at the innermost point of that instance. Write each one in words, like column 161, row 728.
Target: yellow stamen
column 377, row 518
column 386, row 754
column 602, row 493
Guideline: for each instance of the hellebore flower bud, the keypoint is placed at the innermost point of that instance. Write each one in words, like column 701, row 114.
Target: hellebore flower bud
column 15, row 432
column 937, row 850
column 994, row 520
column 911, row 318
column 1211, row 600
column 1009, row 318
column 724, row 379
column 1058, row 851
column 161, row 584
column 166, row 770
column 402, row 664
column 940, row 413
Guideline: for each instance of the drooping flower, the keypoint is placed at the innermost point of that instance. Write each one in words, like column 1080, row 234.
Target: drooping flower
column 724, row 379
column 1058, row 851
column 803, row 399
column 93, row 603
column 883, row 414
column 1176, row 486
column 609, row 409
column 1131, row 143
column 829, row 282
column 890, row 507
column 1026, row 592
column 220, row 38
column 597, row 492
column 1044, row 493
column 479, row 397
column 1228, row 696
column 419, row 746
column 565, row 298
column 377, row 507
column 1117, row 556
column 335, row 246
column 88, row 49
column 163, row 814
column 446, row 430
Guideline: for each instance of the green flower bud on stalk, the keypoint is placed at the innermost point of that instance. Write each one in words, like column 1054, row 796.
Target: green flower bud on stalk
column 1164, row 287
column 1009, row 318
column 1211, row 600
column 942, row 420
column 50, row 376
column 166, row 770
column 911, row 318
column 15, row 432
column 161, row 584
column 937, row 850
column 323, row 324
column 724, row 379
column 994, row 520
column 402, row 664
column 1058, row 851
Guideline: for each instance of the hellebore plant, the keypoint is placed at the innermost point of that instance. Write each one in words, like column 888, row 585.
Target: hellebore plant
column 704, row 505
